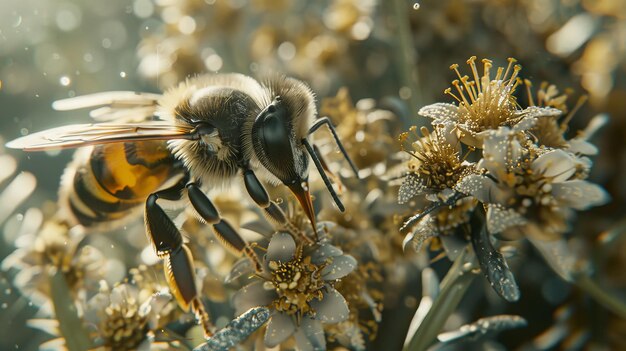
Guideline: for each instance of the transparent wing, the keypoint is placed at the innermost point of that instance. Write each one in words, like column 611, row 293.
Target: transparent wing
column 78, row 135
column 120, row 106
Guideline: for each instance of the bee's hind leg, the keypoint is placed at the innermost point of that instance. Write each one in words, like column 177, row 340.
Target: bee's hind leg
column 272, row 210
column 223, row 230
column 178, row 262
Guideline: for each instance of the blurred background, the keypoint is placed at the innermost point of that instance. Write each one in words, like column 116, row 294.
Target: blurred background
column 395, row 52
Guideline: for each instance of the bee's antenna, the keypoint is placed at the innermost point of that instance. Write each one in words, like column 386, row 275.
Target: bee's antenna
column 325, row 120
column 320, row 169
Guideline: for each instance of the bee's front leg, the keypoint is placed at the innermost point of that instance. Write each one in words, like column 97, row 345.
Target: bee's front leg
column 272, row 210
column 178, row 262
column 223, row 230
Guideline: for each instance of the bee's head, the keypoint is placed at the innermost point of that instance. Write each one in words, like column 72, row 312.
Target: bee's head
column 276, row 138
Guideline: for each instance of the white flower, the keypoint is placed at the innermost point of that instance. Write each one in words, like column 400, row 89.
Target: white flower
column 528, row 185
column 485, row 103
column 435, row 166
column 296, row 284
column 128, row 317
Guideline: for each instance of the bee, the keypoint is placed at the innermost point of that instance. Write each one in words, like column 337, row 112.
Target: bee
column 203, row 133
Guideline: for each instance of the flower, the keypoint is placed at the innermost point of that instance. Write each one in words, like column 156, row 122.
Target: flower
column 125, row 317
column 529, row 186
column 364, row 128
column 297, row 285
column 54, row 245
column 128, row 317
column 484, row 103
column 549, row 132
column 436, row 165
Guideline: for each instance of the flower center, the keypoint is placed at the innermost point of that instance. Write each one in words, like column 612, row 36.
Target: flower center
column 486, row 103
column 123, row 328
column 297, row 282
column 435, row 162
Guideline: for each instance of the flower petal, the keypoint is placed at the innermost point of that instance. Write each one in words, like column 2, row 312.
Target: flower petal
column 310, row 336
column 482, row 188
column 280, row 327
column 339, row 267
column 525, row 124
column 281, row 248
column 440, row 112
column 536, row 111
column 581, row 146
column 501, row 151
column 411, row 187
column 594, row 125
column 323, row 252
column 332, row 308
column 252, row 295
column 556, row 164
column 155, row 304
column 580, row 194
column 500, row 218
column 241, row 267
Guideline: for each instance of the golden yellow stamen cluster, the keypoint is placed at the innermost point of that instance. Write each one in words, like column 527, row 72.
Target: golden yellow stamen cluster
column 296, row 282
column 531, row 189
column 436, row 162
column 124, row 328
column 360, row 296
column 549, row 131
column 486, row 103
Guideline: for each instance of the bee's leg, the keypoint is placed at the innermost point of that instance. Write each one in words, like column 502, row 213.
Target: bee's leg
column 331, row 174
column 223, row 230
column 325, row 120
column 272, row 210
column 178, row 262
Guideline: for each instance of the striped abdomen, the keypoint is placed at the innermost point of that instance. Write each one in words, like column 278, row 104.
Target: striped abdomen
column 110, row 182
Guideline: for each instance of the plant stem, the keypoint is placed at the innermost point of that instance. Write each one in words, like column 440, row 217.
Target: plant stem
column 453, row 288
column 70, row 324
column 408, row 57
column 610, row 302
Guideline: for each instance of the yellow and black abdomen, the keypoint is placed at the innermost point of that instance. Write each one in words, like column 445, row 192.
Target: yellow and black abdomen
column 107, row 183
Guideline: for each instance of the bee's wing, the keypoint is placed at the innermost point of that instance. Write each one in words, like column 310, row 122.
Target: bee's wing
column 78, row 135
column 120, row 106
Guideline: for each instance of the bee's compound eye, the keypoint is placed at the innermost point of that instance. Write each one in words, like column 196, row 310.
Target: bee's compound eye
column 271, row 108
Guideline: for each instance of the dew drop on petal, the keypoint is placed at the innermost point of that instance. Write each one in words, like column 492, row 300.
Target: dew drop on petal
column 65, row 81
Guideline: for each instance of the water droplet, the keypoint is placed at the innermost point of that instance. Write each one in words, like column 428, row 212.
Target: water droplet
column 17, row 21
column 7, row 291
column 106, row 43
column 405, row 93
column 65, row 81
column 4, row 305
column 416, row 6
column 123, row 74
